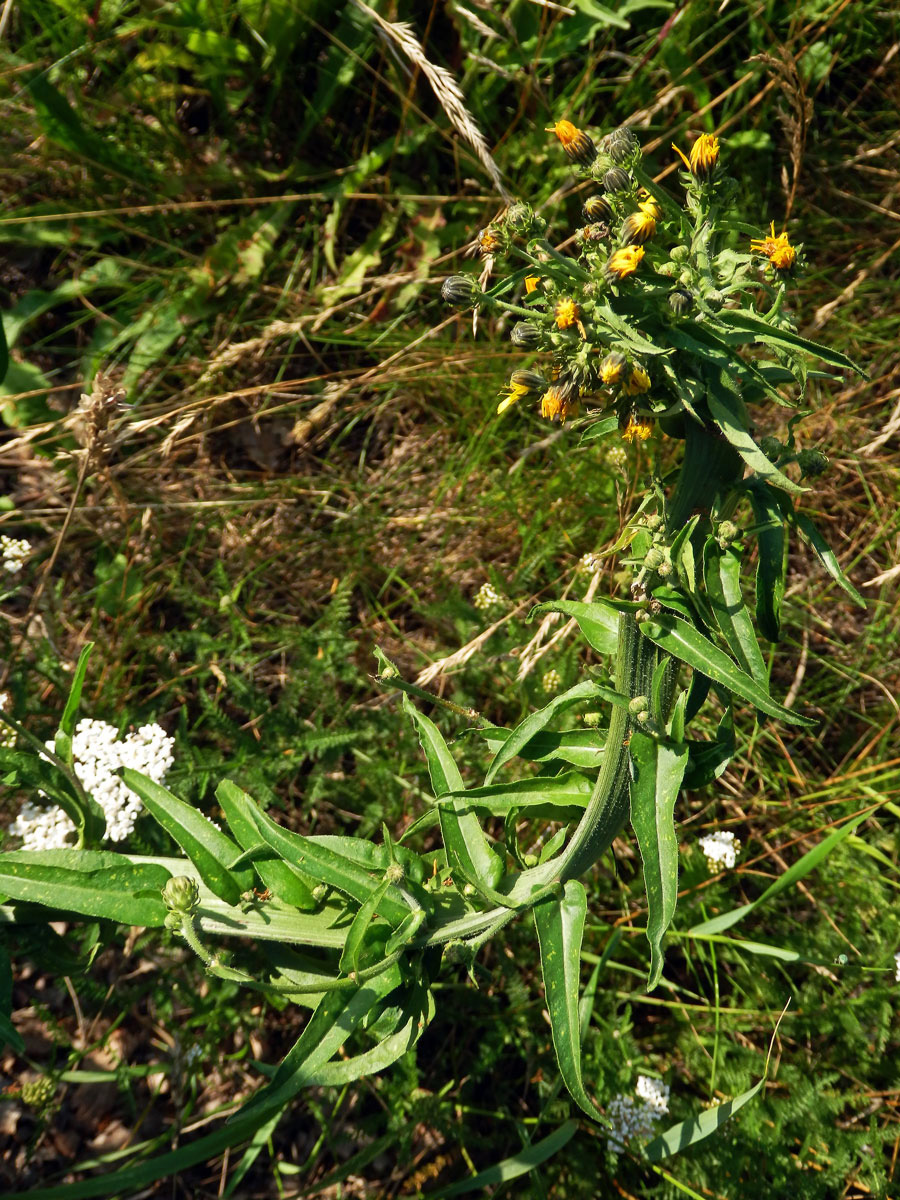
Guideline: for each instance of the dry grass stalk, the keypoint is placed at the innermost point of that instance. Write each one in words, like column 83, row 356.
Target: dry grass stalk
column 795, row 118
column 446, row 89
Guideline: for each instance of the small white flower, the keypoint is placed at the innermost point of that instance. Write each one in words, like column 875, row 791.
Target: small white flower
column 97, row 754
column 13, row 552
column 589, row 563
column 636, row 1119
column 7, row 735
column 721, row 849
column 551, row 682
column 897, row 966
column 487, row 597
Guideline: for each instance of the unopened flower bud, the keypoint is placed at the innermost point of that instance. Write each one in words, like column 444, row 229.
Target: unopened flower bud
column 596, row 209
column 616, row 180
column 460, row 291
column 521, row 221
column 726, row 532
column 394, row 873
column 181, row 894
column 812, row 462
column 622, row 145
column 638, row 705
column 525, row 333
column 680, row 301
column 320, row 891
column 771, row 448
column 653, row 558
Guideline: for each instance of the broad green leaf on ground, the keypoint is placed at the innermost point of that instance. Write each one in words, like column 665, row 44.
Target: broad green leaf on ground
column 682, row 640
column 687, row 1133
column 208, row 848
column 660, row 769
column 559, row 921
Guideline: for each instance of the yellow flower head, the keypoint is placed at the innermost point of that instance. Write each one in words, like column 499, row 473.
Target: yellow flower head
column 488, row 241
column 638, row 381
column 531, row 282
column 638, row 228
column 625, row 261
column 566, row 313
column 649, row 205
column 704, row 156
column 560, row 401
column 577, row 145
column 611, row 368
column 778, row 250
column 521, row 383
column 636, row 426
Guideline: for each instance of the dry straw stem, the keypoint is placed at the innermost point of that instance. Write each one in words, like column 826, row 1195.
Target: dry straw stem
column 445, row 87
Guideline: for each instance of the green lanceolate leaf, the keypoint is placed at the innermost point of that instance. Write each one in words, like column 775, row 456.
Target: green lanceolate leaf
column 518, row 1164
column 118, row 889
column 707, row 760
column 328, row 866
column 282, row 879
column 682, row 640
column 598, row 620
column 725, row 407
column 359, row 929
column 723, row 587
column 526, row 730
column 771, row 566
column 559, row 921
column 63, row 741
column 207, row 847
column 660, row 770
column 582, row 748
column 687, row 1133
column 467, row 847
column 553, row 797
column 740, row 319
column 825, row 555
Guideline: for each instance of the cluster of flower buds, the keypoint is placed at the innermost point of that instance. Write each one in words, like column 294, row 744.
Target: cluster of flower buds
column 602, row 318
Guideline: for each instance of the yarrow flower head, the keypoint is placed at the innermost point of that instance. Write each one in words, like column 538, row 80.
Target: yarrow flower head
column 13, row 552
column 704, row 156
column 635, row 1119
column 721, row 849
column 97, row 754
column 778, row 250
column 487, row 597
column 578, row 145
column 625, row 261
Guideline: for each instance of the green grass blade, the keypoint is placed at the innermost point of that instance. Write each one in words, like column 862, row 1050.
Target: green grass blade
column 799, row 870
column 515, row 1166
column 687, row 1133
column 660, row 770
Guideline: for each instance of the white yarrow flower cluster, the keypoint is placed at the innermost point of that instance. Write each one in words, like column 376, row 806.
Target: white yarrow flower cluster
column 635, row 1119
column 589, row 563
column 721, row 850
column 7, row 735
column 897, row 966
column 487, row 597
column 13, row 552
column 97, row 754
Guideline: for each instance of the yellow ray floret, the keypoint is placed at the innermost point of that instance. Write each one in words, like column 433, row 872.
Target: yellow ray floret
column 704, row 156
column 638, row 381
column 778, row 250
column 531, row 282
column 521, row 384
column 637, row 427
column 566, row 313
column 576, row 143
column 625, row 261
column 560, row 401
column 638, row 228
